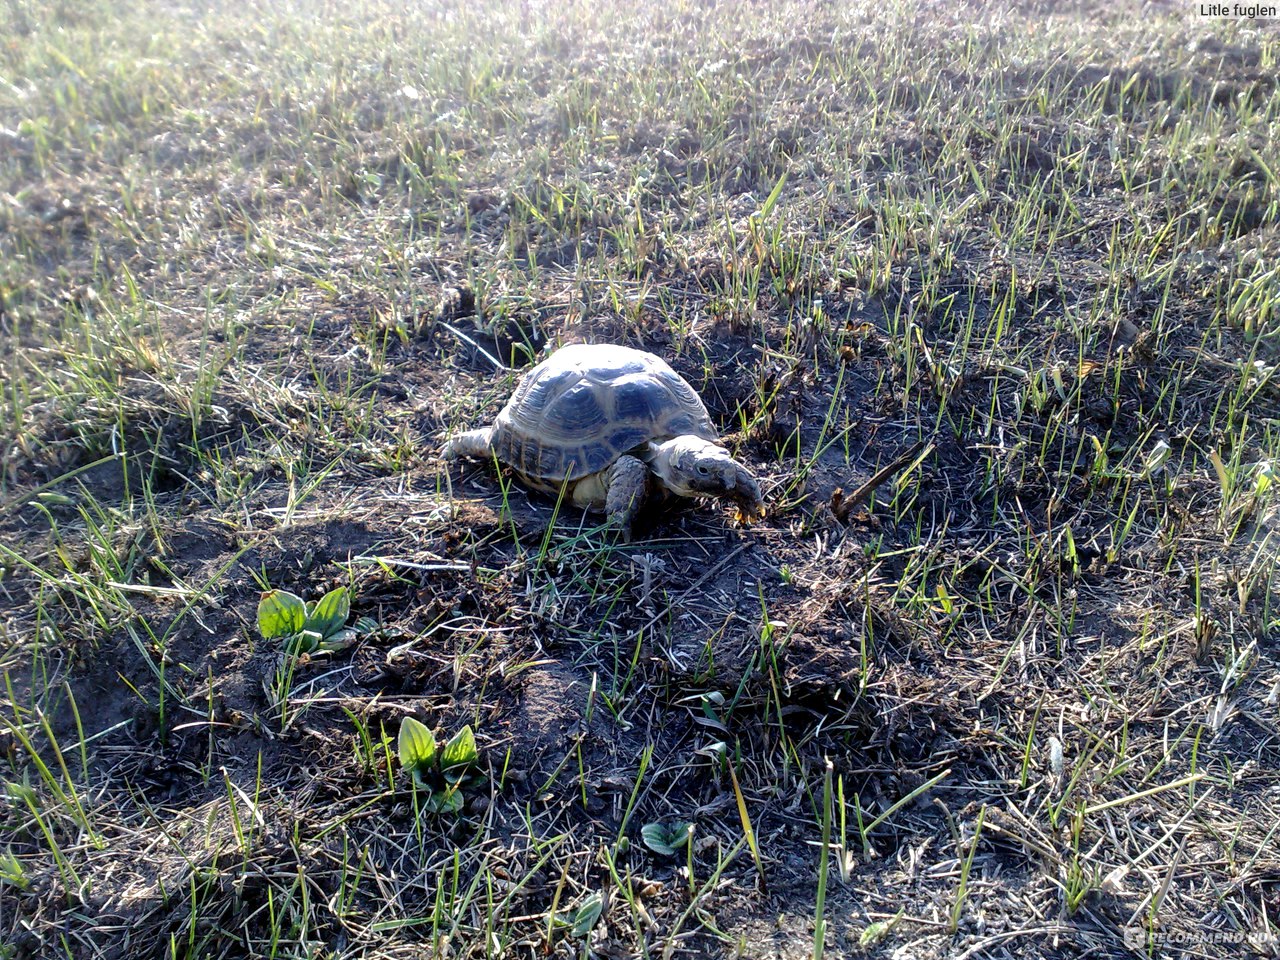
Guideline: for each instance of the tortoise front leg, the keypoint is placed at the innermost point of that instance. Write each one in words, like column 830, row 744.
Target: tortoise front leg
column 626, row 486
column 473, row 443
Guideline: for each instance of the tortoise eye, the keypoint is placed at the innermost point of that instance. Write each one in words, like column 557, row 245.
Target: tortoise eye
column 703, row 471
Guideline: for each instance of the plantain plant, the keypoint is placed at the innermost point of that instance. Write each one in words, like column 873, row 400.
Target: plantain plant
column 307, row 627
column 442, row 773
column 666, row 839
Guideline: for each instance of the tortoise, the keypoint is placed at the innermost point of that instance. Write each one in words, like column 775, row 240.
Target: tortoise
column 608, row 424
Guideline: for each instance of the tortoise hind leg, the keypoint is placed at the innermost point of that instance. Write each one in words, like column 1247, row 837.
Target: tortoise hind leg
column 473, row 443
column 626, row 486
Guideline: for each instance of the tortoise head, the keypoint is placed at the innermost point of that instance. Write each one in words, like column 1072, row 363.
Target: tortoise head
column 693, row 467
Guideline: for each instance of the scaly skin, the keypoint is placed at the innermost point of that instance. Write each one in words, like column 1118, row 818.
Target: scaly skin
column 693, row 467
column 473, row 443
column 627, row 487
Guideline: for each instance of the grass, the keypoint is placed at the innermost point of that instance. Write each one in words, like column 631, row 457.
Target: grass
column 985, row 297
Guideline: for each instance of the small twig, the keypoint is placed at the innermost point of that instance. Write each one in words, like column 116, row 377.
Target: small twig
column 146, row 588
column 841, row 505
column 428, row 567
column 479, row 349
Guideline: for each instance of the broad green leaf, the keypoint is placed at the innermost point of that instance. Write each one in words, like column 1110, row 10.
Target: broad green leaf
column 340, row 640
column 416, row 746
column 280, row 614
column 665, row 838
column 460, row 751
column 586, row 915
column 444, row 801
column 305, row 641
column 330, row 613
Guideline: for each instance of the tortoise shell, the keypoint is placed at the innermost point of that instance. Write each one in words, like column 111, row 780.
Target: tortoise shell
column 586, row 405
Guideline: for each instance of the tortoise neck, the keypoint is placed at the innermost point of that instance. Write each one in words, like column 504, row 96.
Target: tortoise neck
column 658, row 457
